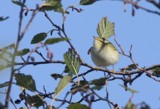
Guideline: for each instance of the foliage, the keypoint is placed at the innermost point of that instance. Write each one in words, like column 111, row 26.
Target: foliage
column 77, row 106
column 23, row 52
column 129, row 89
column 55, row 40
column 39, row 37
column 3, row 18
column 75, row 71
column 4, row 84
column 62, row 84
column 105, row 28
column 156, row 71
column 35, row 101
column 72, row 62
column 25, row 81
column 52, row 5
column 87, row 2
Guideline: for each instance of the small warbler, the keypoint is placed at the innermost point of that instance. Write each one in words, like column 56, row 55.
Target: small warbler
column 103, row 52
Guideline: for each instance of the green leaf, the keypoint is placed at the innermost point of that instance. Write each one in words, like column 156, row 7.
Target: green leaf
column 55, row 40
column 18, row 3
column 96, row 87
column 3, row 18
column 38, row 38
column 156, row 71
column 4, row 84
column 98, row 83
column 130, row 105
column 77, row 106
column 130, row 67
column 6, row 53
column 53, row 5
column 11, row 46
column 23, row 52
column 62, row 84
column 2, row 67
column 105, row 28
column 25, row 81
column 87, row 2
column 56, row 76
column 35, row 100
column 129, row 89
column 66, row 69
column 144, row 106
column 82, row 87
column 72, row 61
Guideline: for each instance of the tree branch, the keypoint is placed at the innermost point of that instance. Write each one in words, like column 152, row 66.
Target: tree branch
column 19, row 38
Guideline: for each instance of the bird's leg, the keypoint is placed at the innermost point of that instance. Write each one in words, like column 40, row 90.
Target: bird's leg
column 113, row 69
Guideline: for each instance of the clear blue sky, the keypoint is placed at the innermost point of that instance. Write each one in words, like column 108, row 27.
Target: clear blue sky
column 142, row 31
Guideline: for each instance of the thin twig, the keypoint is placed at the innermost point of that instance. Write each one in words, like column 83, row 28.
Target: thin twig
column 141, row 7
column 154, row 3
column 13, row 58
column 115, row 39
column 19, row 38
column 30, row 21
column 63, row 31
column 63, row 102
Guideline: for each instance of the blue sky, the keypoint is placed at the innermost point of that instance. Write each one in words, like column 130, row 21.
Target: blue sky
column 141, row 31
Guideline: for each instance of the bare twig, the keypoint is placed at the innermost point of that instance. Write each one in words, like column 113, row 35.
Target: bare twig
column 19, row 37
column 30, row 21
column 101, row 98
column 135, row 4
column 64, row 100
column 154, row 3
column 115, row 39
column 62, row 29
column 13, row 59
column 11, row 100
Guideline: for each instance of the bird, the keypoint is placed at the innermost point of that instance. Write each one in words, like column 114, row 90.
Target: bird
column 103, row 52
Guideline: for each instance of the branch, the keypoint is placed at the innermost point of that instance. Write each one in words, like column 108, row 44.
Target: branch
column 89, row 66
column 13, row 59
column 135, row 4
column 154, row 3
column 62, row 29
column 19, row 38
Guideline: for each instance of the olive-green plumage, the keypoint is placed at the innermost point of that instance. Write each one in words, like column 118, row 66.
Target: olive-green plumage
column 103, row 52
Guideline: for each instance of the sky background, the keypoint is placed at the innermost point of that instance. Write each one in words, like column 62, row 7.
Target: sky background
column 141, row 31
